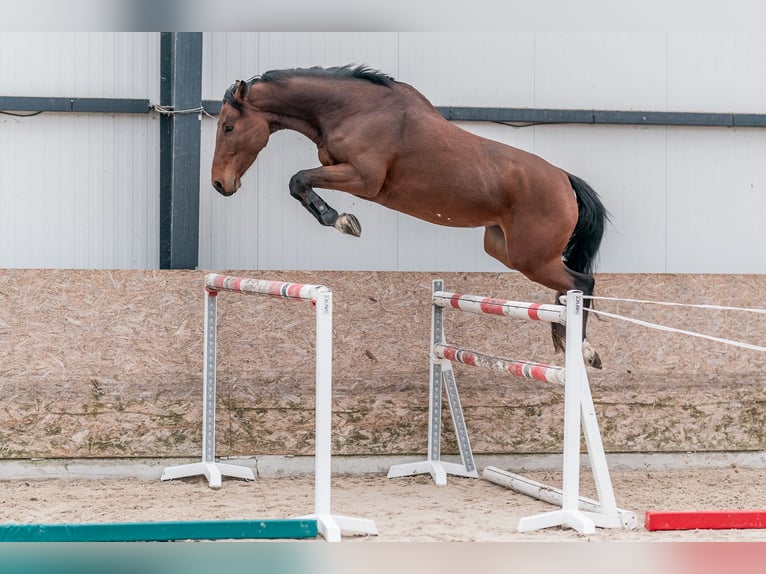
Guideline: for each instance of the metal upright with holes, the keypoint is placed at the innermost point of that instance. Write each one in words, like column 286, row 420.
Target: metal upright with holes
column 441, row 373
column 208, row 466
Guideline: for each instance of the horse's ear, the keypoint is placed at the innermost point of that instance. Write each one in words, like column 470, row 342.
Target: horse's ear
column 241, row 89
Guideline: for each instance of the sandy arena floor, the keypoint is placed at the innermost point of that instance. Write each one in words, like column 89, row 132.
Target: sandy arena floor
column 404, row 509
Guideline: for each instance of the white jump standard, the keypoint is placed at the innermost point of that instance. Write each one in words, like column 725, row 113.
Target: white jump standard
column 328, row 525
column 584, row 515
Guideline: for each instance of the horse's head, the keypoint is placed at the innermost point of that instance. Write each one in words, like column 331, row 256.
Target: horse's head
column 242, row 133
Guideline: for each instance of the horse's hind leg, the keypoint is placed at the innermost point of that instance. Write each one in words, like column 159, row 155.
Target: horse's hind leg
column 551, row 272
column 584, row 283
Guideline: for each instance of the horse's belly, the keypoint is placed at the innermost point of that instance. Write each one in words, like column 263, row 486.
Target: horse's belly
column 441, row 208
column 452, row 219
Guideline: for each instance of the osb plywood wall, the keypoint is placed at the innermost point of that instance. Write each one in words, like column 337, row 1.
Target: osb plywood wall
column 109, row 364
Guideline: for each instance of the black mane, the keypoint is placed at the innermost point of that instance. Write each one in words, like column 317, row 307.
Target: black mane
column 353, row 72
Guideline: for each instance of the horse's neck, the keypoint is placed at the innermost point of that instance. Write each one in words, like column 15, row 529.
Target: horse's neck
column 286, row 122
column 296, row 107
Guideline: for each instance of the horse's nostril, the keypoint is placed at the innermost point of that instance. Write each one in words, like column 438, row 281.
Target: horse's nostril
column 218, row 186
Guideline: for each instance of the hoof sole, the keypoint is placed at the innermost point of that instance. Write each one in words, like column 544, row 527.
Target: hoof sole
column 590, row 355
column 348, row 224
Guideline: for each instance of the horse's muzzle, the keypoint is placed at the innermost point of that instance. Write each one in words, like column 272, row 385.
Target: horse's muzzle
column 220, row 188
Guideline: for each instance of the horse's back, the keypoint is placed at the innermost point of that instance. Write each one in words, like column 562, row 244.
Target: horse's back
column 435, row 170
column 473, row 166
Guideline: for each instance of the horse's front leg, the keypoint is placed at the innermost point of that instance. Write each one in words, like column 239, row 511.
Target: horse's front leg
column 331, row 177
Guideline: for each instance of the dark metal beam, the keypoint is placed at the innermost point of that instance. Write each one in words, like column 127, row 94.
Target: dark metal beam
column 452, row 113
column 86, row 105
column 601, row 117
column 541, row 116
column 180, row 89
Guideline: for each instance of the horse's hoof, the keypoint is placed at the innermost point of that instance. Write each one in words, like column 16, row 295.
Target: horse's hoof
column 590, row 355
column 348, row 224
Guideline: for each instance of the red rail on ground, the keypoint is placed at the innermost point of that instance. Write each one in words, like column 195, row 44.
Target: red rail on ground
column 705, row 520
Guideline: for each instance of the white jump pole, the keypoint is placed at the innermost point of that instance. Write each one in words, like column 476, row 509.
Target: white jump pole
column 328, row 525
column 554, row 496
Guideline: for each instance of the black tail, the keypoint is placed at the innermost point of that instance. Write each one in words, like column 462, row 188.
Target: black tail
column 582, row 249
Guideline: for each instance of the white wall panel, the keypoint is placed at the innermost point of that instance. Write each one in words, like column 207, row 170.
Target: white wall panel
column 80, row 64
column 226, row 57
column 470, row 69
column 716, row 200
column 306, row 49
column 717, row 72
column 610, row 70
column 79, row 191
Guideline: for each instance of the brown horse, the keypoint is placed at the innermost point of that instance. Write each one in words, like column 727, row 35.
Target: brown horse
column 382, row 140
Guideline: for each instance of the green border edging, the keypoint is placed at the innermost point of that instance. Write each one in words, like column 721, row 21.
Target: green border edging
column 159, row 531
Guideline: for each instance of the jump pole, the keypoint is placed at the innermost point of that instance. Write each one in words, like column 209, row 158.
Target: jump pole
column 328, row 525
column 160, row 531
column 577, row 512
column 705, row 520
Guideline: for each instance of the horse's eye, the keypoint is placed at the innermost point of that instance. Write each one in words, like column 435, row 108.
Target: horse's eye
column 227, row 128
